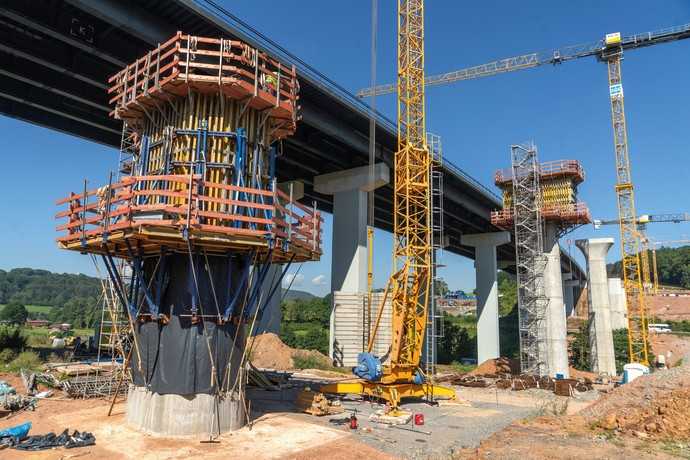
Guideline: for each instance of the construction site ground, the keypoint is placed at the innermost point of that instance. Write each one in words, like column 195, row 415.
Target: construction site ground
column 278, row 431
column 644, row 419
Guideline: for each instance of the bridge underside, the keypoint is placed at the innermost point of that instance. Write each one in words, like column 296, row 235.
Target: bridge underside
column 57, row 55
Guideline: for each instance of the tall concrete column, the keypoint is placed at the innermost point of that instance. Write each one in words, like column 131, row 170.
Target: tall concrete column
column 484, row 244
column 618, row 302
column 349, row 249
column 556, row 327
column 601, row 338
column 349, row 245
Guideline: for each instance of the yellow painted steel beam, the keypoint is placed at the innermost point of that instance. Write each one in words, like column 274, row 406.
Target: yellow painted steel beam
column 392, row 393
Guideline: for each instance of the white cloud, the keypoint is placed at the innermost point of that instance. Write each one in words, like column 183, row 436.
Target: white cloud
column 296, row 280
column 319, row 280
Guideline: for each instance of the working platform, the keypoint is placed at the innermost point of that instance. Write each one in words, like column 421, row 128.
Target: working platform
column 141, row 214
column 205, row 65
column 558, row 181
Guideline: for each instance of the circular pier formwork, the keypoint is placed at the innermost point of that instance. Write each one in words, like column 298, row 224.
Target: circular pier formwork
column 199, row 219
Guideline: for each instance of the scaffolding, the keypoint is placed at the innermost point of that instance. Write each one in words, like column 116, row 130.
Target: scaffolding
column 530, row 259
column 115, row 334
column 434, row 327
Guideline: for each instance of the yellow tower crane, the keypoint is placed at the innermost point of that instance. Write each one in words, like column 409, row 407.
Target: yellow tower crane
column 610, row 50
column 409, row 284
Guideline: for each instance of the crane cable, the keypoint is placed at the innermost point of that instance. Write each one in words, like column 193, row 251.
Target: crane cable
column 372, row 160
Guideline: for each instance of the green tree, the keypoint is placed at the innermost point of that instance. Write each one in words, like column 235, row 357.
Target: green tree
column 455, row 343
column 581, row 349
column 14, row 312
column 440, row 287
column 507, row 293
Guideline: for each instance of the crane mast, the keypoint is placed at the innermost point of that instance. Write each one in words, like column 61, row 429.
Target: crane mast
column 410, row 282
column 412, row 211
column 625, row 194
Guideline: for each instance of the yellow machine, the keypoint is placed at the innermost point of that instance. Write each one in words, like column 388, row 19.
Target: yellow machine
column 409, row 285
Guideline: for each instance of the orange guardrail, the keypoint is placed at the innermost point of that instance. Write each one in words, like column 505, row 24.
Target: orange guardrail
column 188, row 204
column 208, row 65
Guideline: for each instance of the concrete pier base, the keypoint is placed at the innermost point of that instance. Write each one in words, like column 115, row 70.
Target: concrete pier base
column 601, row 337
column 484, row 244
column 183, row 415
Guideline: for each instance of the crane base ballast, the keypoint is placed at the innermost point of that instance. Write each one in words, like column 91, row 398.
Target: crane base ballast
column 393, row 393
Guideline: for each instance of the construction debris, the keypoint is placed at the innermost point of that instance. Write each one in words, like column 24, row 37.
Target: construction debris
column 399, row 418
column 14, row 403
column 51, row 440
column 317, row 404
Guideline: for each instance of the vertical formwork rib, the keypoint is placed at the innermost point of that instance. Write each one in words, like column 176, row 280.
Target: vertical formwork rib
column 530, row 259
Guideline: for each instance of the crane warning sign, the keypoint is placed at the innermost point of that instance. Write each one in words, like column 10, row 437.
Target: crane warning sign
column 616, row 91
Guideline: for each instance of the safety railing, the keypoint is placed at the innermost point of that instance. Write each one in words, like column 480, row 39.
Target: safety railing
column 569, row 214
column 546, row 169
column 205, row 64
column 189, row 204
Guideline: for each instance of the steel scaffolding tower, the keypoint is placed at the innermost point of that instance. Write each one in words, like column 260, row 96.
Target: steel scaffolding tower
column 129, row 149
column 530, row 259
column 433, row 321
column 115, row 337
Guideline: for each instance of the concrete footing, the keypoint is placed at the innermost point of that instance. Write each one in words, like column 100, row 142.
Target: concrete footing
column 601, row 337
column 183, row 415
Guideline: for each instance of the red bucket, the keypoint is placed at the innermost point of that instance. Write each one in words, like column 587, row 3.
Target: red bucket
column 419, row 419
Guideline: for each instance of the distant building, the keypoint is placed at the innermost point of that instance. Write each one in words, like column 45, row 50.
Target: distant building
column 37, row 322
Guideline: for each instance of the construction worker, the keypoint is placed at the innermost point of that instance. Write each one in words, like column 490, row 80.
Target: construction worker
column 271, row 81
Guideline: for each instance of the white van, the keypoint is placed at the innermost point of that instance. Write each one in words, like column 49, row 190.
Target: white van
column 659, row 327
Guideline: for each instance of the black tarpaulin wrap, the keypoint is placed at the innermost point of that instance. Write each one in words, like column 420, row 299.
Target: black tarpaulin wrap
column 184, row 358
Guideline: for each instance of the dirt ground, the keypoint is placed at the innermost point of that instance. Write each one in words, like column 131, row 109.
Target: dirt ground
column 272, row 436
column 645, row 419
column 669, row 307
column 269, row 352
column 678, row 346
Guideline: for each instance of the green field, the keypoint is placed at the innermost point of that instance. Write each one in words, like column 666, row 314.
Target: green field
column 35, row 308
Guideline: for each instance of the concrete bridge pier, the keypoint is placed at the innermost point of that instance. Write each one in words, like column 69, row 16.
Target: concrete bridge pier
column 349, row 247
column 619, row 304
column 601, row 337
column 556, row 328
column 487, row 291
column 349, row 250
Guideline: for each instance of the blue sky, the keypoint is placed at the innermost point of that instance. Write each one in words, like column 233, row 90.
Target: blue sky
column 564, row 110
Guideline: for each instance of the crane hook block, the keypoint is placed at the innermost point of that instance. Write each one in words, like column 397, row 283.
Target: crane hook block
column 368, row 367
